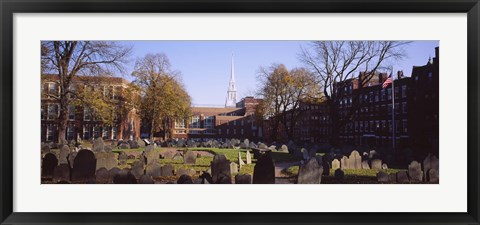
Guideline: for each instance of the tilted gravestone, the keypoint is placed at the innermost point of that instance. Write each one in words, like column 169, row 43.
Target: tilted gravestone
column 61, row 172
column 154, row 169
column 415, row 171
column 106, row 160
column 168, row 170
column 377, row 164
column 185, row 179
column 344, row 163
column 138, row 169
column 243, row 179
column 433, row 176
column 264, row 170
column 220, row 167
column 365, row 165
column 430, row 162
column 145, row 179
column 122, row 158
column 84, row 166
column 382, row 177
column 63, row 155
column 240, row 161
column 310, row 173
column 124, row 177
column 335, row 164
column 249, row 157
column 190, row 157
column 355, row 160
column 49, row 162
column 98, row 145
column 402, row 177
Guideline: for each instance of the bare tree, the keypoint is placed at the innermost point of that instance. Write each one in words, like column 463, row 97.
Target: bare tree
column 334, row 62
column 282, row 92
column 69, row 59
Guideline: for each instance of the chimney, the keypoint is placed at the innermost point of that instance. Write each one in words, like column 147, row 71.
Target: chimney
column 400, row 74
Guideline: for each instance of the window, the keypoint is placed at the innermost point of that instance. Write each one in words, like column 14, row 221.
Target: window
column 228, row 131
column 405, row 126
column 70, row 132
column 97, row 132
column 209, row 122
column 429, row 75
column 404, row 107
column 234, row 123
column 71, row 112
column 234, row 131
column 404, row 91
column 86, row 132
column 241, row 131
column 241, row 122
column 107, row 132
column 219, row 131
column 87, row 114
column 50, row 132
column 180, row 131
column 179, row 124
column 52, row 89
column 389, row 93
column 44, row 112
column 114, row 132
column 195, row 122
column 52, row 112
column 389, row 109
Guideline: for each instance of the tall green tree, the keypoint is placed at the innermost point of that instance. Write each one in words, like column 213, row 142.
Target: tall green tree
column 70, row 59
column 164, row 98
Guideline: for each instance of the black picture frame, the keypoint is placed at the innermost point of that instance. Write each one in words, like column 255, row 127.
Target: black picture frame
column 9, row 7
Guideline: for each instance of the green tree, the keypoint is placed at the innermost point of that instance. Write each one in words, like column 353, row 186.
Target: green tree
column 163, row 96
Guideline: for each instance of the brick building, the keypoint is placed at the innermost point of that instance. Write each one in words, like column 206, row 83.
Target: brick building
column 82, row 122
column 221, row 123
column 366, row 112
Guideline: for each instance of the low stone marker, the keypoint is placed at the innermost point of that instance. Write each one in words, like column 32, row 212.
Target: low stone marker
column 339, row 174
column 415, row 171
column 61, row 173
column 145, row 179
column 189, row 172
column 430, row 162
column 190, row 157
column 433, row 176
column 154, row 169
column 98, row 145
column 49, row 162
column 392, row 178
column 138, row 169
column 220, row 167
column 102, row 175
column 243, row 179
column 310, row 173
column 168, row 170
column 382, row 177
column 184, row 179
column 84, row 166
column 122, row 158
column 284, row 148
column 168, row 154
column 124, row 177
column 402, row 177
column 264, row 170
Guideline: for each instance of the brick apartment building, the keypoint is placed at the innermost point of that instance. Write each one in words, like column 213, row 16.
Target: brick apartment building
column 82, row 123
column 416, row 112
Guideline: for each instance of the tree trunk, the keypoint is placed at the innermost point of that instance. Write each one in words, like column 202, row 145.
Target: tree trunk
column 62, row 122
column 152, row 129
column 335, row 120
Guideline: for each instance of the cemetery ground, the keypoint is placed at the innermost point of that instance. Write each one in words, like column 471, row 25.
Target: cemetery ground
column 287, row 166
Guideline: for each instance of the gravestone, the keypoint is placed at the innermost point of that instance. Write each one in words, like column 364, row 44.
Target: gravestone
column 131, row 156
column 45, row 148
column 264, row 170
column 112, row 172
column 284, row 148
column 310, row 173
column 384, row 166
column 312, row 152
column 365, row 165
column 145, row 179
column 151, row 156
column 377, row 164
column 149, row 148
column 382, row 177
column 61, row 172
column 49, row 162
column 154, row 169
column 415, row 171
column 98, row 145
column 233, row 168
column 273, row 147
column 206, row 178
column 178, row 156
column 168, row 154
column 240, row 161
column 167, row 170
column 249, row 157
column 335, row 164
column 344, row 163
column 392, row 178
column 355, row 160
column 220, row 167
column 305, row 155
column 63, row 155
column 190, row 157
column 402, row 177
column 84, row 166
column 262, row 146
column 433, row 176
column 124, row 177
column 243, row 179
column 122, row 158
column 71, row 158
column 326, row 168
column 138, row 169
column 102, row 175
column 185, row 179
column 430, row 162
column 108, row 148
column 182, row 171
column 339, row 174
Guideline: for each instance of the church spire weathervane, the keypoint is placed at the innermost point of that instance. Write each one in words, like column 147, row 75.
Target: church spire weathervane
column 232, row 90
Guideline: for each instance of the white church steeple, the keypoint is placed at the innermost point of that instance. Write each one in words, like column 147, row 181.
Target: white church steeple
column 231, row 101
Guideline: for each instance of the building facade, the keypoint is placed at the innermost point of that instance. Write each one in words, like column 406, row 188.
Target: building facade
column 82, row 122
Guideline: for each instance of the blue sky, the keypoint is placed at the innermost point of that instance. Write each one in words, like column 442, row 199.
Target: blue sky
column 205, row 65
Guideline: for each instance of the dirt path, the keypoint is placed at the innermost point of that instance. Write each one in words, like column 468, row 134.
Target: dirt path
column 281, row 166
